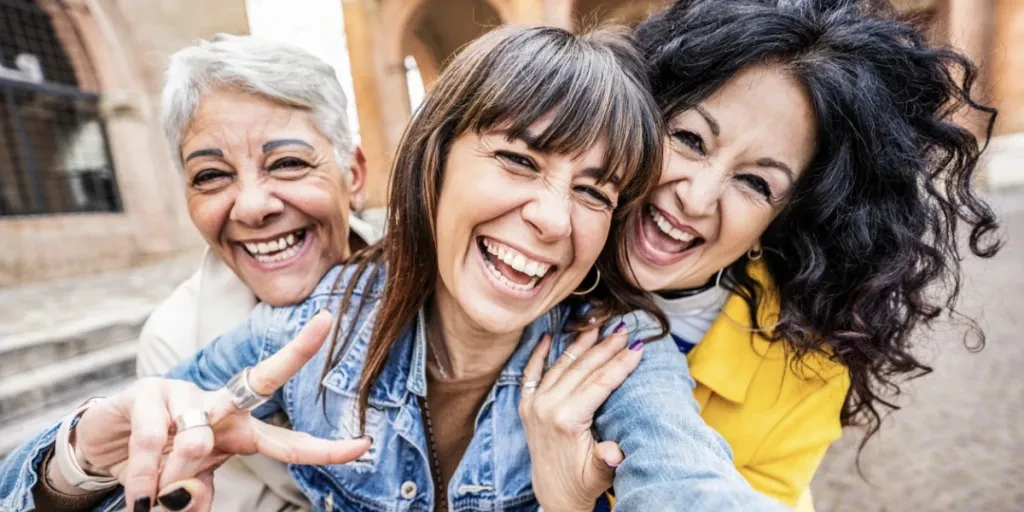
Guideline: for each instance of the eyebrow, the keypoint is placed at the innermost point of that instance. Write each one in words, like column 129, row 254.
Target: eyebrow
column 596, row 173
column 716, row 129
column 204, row 152
column 274, row 144
column 771, row 162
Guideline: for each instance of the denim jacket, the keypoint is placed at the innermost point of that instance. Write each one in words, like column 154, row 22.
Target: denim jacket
column 674, row 461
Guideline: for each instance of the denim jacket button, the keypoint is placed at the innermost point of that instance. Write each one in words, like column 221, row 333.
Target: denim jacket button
column 409, row 490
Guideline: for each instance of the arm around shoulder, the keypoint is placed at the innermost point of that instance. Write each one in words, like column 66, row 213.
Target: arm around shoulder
column 674, row 461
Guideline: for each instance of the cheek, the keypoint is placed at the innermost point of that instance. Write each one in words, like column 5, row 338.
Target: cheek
column 590, row 233
column 742, row 224
column 210, row 212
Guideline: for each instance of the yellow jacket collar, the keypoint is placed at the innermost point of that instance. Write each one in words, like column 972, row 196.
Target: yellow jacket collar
column 728, row 356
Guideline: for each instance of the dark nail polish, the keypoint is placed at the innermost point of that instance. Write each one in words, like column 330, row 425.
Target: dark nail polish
column 177, row 499
column 143, row 504
column 636, row 345
column 621, row 328
column 367, row 437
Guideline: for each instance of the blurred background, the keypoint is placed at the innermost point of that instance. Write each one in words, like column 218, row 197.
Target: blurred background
column 94, row 230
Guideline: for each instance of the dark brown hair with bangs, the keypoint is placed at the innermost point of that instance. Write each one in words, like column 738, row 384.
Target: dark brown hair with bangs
column 593, row 85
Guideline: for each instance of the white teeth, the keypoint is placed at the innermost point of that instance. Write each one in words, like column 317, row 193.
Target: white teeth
column 275, row 250
column 517, row 261
column 666, row 227
column 505, row 281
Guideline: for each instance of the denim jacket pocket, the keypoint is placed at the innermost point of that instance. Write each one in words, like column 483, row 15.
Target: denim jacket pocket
column 342, row 406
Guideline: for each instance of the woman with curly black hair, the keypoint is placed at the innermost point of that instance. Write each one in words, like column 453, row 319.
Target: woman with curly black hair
column 808, row 217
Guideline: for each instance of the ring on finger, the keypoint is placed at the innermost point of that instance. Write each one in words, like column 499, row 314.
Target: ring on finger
column 242, row 395
column 570, row 355
column 530, row 386
column 191, row 418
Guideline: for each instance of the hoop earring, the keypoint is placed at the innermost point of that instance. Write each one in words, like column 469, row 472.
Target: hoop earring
column 718, row 285
column 754, row 255
column 592, row 288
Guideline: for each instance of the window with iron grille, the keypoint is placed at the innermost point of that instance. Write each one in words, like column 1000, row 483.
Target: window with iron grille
column 54, row 156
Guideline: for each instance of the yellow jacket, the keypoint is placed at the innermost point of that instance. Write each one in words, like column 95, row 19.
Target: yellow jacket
column 778, row 418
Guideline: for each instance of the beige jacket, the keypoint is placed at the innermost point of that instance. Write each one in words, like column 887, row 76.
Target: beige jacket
column 205, row 306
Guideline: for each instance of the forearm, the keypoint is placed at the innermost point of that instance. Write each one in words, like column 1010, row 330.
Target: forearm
column 672, row 456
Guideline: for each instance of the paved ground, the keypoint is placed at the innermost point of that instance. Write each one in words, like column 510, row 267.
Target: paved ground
column 958, row 443
column 31, row 310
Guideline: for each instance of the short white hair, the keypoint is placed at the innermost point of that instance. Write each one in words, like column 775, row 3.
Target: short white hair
column 280, row 72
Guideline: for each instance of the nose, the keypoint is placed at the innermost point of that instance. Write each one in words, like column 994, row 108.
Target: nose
column 549, row 214
column 255, row 204
column 698, row 193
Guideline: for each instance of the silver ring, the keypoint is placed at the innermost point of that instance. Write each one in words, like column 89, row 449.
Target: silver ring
column 191, row 418
column 530, row 386
column 242, row 395
column 570, row 355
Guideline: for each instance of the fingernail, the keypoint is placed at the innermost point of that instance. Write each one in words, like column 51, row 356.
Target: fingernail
column 177, row 499
column 143, row 504
column 637, row 345
column 621, row 328
column 609, row 464
column 367, row 437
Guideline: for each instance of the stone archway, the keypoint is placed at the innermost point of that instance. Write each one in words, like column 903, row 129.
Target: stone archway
column 439, row 28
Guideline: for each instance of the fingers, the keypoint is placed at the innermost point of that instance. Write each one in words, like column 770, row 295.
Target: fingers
column 592, row 360
column 600, row 383
column 584, row 341
column 150, row 423
column 191, row 446
column 192, row 495
column 534, row 370
column 293, row 447
column 600, row 475
column 273, row 372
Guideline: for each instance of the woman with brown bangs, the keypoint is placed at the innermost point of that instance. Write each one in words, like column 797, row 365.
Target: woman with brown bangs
column 533, row 146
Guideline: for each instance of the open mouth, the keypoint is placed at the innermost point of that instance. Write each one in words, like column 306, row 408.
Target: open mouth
column 663, row 236
column 273, row 251
column 511, row 268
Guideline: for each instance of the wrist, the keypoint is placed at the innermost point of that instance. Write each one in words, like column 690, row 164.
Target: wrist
column 71, row 464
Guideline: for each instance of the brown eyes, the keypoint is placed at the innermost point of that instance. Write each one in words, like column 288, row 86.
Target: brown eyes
column 692, row 140
column 591, row 195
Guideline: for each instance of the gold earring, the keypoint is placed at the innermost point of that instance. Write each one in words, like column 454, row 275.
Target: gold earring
column 592, row 288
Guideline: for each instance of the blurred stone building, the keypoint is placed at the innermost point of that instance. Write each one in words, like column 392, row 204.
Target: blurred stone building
column 388, row 39
column 86, row 182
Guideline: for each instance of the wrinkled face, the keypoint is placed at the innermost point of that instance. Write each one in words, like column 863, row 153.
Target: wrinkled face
column 517, row 229
column 731, row 164
column 265, row 189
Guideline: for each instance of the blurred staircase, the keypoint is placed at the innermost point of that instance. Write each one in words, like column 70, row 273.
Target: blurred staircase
column 66, row 341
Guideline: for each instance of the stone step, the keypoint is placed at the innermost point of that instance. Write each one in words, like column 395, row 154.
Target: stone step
column 27, row 351
column 14, row 433
column 31, row 391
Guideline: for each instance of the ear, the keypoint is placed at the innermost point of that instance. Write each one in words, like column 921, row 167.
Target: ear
column 357, row 180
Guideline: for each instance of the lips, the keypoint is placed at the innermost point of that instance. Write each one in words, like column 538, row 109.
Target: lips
column 661, row 241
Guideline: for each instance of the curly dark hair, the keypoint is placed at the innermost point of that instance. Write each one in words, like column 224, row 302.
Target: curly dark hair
column 868, row 250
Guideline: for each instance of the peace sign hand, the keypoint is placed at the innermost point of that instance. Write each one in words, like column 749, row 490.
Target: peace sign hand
column 133, row 435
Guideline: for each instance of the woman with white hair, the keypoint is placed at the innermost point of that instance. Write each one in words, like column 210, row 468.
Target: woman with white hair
column 261, row 133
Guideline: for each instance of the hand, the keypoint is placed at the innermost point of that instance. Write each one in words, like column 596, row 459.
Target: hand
column 127, row 435
column 192, row 495
column 570, row 468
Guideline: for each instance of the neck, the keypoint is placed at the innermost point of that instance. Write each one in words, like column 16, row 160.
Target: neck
column 464, row 350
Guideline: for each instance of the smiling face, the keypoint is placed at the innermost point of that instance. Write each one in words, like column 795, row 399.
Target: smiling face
column 517, row 229
column 730, row 166
column 265, row 189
